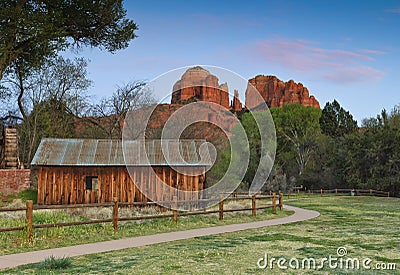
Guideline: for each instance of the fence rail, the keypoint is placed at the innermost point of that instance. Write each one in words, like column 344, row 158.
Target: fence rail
column 352, row 192
column 115, row 219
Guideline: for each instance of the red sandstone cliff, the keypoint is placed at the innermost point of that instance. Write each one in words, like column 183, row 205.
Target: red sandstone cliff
column 200, row 84
column 276, row 93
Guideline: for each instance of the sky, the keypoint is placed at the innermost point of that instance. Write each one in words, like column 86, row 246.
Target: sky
column 343, row 50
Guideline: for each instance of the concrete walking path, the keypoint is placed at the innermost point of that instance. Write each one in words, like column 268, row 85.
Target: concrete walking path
column 15, row 260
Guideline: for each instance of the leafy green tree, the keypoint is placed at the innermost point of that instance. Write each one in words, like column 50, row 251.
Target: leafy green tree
column 297, row 127
column 328, row 170
column 253, row 135
column 32, row 31
column 336, row 121
column 373, row 159
column 239, row 156
column 260, row 159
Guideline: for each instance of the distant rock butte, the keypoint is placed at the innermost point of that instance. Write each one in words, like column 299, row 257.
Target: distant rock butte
column 199, row 84
column 277, row 93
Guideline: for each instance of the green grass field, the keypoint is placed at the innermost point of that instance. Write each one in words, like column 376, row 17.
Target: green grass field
column 366, row 227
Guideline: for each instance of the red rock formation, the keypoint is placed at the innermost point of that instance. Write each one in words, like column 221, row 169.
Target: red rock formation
column 236, row 104
column 201, row 85
column 276, row 93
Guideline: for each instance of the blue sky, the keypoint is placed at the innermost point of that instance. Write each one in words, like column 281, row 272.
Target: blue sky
column 344, row 50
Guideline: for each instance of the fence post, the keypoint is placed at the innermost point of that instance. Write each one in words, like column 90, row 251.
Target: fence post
column 370, row 191
column 175, row 209
column 321, row 192
column 309, row 192
column 115, row 214
column 274, row 203
column 388, row 194
column 336, row 191
column 253, row 206
column 221, row 207
column 29, row 216
column 280, row 201
column 298, row 192
column 288, row 194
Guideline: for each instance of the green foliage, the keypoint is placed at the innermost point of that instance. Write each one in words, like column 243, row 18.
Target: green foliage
column 297, row 129
column 53, row 263
column 219, row 168
column 335, row 121
column 33, row 31
column 374, row 154
column 254, row 124
column 367, row 159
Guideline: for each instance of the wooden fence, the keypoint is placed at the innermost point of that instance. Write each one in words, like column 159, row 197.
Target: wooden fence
column 276, row 202
column 337, row 192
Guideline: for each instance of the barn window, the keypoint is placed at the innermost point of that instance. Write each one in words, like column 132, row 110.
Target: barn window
column 92, row 182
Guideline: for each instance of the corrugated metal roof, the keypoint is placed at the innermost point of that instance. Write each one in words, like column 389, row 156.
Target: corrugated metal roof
column 107, row 152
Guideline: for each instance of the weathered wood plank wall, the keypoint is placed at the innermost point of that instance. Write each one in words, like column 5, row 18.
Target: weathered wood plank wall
column 67, row 184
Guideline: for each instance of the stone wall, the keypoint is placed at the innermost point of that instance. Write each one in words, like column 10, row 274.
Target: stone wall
column 13, row 181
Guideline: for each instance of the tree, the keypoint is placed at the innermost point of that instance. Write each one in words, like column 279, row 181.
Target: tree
column 338, row 127
column 373, row 159
column 34, row 30
column 49, row 100
column 297, row 127
column 107, row 116
column 254, row 124
column 49, row 118
column 336, row 121
column 59, row 80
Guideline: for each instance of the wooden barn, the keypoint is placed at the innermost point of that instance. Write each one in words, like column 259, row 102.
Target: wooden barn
column 72, row 171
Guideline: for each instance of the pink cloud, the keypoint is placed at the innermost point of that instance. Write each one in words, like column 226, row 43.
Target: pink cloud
column 356, row 74
column 368, row 51
column 294, row 54
column 345, row 54
column 307, row 56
